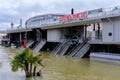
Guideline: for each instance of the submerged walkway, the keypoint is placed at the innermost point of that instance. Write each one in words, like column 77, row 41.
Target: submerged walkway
column 5, row 68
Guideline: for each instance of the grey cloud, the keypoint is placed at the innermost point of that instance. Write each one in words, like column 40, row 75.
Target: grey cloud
column 83, row 5
column 18, row 9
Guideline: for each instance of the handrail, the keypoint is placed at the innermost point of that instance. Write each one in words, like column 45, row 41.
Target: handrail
column 39, row 46
column 36, row 44
column 78, row 48
column 64, row 49
column 56, row 47
column 82, row 51
column 61, row 46
column 69, row 53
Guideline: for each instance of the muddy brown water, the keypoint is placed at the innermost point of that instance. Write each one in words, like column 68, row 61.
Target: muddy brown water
column 62, row 68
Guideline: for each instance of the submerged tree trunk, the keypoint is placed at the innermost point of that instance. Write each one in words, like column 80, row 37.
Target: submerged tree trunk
column 30, row 69
column 27, row 68
column 26, row 73
column 34, row 71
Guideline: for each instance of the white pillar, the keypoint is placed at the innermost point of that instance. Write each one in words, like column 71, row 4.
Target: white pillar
column 93, row 33
column 85, row 31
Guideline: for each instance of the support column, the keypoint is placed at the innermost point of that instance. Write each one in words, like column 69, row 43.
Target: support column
column 93, row 27
column 20, row 38
column 93, row 37
column 26, row 31
column 85, row 31
column 38, row 35
column 26, row 36
column 98, row 30
column 20, row 41
column 10, row 36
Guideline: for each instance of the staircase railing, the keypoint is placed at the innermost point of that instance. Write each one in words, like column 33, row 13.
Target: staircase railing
column 58, row 49
column 78, row 48
column 30, row 43
column 82, row 51
column 39, row 46
column 53, row 51
column 70, row 52
column 61, row 47
column 64, row 49
column 35, row 45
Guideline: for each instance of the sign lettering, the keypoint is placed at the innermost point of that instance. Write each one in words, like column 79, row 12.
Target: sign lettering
column 77, row 16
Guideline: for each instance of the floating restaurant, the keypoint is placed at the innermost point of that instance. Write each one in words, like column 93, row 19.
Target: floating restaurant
column 77, row 34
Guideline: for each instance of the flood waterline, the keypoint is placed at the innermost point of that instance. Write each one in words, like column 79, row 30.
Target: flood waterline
column 62, row 68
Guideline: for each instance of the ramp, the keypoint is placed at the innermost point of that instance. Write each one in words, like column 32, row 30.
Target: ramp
column 56, row 48
column 63, row 49
column 29, row 44
column 76, row 49
column 80, row 50
column 39, row 46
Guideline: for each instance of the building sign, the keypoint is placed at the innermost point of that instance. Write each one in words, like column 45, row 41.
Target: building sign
column 95, row 11
column 72, row 17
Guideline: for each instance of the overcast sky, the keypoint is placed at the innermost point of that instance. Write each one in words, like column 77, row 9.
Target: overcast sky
column 14, row 10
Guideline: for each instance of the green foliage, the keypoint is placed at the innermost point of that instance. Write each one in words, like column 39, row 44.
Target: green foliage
column 26, row 61
column 14, row 65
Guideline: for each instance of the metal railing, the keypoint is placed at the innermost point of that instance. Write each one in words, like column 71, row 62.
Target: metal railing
column 82, row 51
column 39, row 46
column 75, row 51
column 55, row 49
column 64, row 49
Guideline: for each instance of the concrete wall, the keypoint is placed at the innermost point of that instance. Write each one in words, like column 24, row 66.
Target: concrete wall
column 54, row 35
column 117, row 29
column 107, row 29
column 112, row 27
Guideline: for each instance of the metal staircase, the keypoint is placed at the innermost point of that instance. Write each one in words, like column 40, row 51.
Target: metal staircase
column 57, row 48
column 79, row 50
column 73, row 49
column 82, row 51
column 29, row 43
column 39, row 45
column 35, row 44
column 76, row 49
column 61, row 48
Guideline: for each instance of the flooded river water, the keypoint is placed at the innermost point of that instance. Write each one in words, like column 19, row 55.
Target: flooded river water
column 63, row 68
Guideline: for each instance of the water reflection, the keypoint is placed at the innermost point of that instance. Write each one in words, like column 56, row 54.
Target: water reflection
column 34, row 78
column 62, row 68
column 0, row 64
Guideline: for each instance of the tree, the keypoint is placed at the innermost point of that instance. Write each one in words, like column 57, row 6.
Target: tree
column 27, row 62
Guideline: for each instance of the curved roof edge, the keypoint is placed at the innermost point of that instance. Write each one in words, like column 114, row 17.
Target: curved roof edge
column 43, row 15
